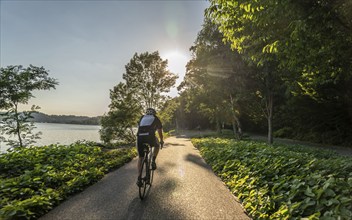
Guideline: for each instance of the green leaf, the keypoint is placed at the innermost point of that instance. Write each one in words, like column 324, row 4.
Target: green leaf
column 36, row 179
column 308, row 192
column 12, row 213
column 329, row 193
column 315, row 216
column 330, row 202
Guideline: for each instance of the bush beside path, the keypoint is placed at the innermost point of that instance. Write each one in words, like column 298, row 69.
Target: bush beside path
column 34, row 180
column 282, row 181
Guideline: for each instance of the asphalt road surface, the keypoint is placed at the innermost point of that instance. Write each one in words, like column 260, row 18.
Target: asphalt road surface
column 184, row 187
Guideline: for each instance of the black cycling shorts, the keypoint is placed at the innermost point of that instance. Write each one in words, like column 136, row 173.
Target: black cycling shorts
column 141, row 140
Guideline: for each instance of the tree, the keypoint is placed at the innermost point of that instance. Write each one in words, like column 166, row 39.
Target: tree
column 217, row 77
column 16, row 86
column 147, row 80
column 122, row 117
column 250, row 36
column 147, row 75
column 168, row 114
column 303, row 44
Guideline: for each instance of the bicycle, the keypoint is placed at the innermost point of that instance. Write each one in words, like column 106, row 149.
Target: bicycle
column 147, row 177
column 147, row 173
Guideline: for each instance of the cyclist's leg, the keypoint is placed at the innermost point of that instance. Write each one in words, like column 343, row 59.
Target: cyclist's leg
column 156, row 148
column 153, row 141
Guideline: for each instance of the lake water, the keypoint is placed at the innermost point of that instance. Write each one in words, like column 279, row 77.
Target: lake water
column 62, row 134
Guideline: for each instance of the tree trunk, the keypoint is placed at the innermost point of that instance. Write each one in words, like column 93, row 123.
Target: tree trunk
column 270, row 131
column 176, row 125
column 348, row 98
column 234, row 128
column 269, row 103
column 270, row 118
column 236, row 125
column 218, row 125
column 18, row 131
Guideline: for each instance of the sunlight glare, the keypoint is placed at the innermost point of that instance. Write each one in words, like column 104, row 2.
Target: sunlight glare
column 176, row 64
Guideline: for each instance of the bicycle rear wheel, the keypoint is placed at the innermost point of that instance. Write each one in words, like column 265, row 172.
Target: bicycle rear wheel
column 144, row 178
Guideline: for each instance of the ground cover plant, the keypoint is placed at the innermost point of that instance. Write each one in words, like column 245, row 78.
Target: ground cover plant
column 34, row 180
column 282, row 181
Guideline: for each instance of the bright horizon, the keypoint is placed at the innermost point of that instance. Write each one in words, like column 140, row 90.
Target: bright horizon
column 85, row 45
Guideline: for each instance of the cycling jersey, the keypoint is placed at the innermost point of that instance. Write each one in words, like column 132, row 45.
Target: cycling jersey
column 148, row 124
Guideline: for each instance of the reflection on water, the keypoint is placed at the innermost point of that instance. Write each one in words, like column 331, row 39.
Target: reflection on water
column 63, row 134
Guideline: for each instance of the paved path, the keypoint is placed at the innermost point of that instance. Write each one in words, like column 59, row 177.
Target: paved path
column 184, row 188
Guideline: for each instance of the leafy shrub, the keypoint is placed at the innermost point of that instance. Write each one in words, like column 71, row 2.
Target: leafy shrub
column 282, row 182
column 34, row 180
column 285, row 132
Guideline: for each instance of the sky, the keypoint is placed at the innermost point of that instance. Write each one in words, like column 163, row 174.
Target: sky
column 86, row 44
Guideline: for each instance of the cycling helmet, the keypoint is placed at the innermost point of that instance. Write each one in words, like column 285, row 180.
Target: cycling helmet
column 150, row 111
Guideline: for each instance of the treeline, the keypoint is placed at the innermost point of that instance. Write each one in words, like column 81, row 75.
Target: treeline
column 278, row 67
column 65, row 119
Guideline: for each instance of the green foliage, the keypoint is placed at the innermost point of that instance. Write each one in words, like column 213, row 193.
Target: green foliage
column 187, row 115
column 319, row 122
column 148, row 76
column 168, row 113
column 282, row 181
column 36, row 179
column 16, row 86
column 290, row 71
column 118, row 123
column 18, row 124
column 215, row 80
column 146, row 81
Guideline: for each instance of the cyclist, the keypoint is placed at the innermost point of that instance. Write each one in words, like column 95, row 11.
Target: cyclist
column 147, row 125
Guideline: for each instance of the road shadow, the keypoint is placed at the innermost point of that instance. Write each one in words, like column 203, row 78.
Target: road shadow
column 183, row 136
column 197, row 160
column 173, row 144
column 194, row 133
column 164, row 167
column 155, row 202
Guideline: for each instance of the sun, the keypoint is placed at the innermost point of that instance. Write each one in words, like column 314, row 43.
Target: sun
column 176, row 62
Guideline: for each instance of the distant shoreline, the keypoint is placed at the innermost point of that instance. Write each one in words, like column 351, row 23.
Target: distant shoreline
column 65, row 119
column 65, row 123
